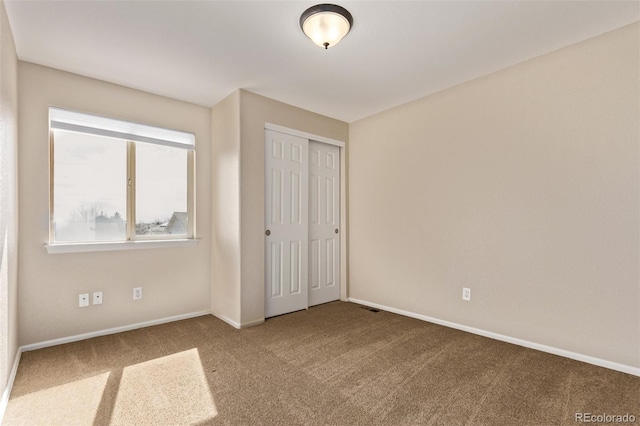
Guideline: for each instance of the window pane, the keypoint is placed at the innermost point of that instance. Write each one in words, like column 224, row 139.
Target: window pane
column 161, row 190
column 89, row 187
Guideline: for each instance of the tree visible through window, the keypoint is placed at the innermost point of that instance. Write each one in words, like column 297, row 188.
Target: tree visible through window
column 89, row 187
column 117, row 181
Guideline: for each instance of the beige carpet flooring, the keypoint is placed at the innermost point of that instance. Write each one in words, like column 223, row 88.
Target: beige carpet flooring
column 334, row 364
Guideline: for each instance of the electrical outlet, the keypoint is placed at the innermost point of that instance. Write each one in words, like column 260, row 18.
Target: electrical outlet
column 83, row 300
column 97, row 298
column 466, row 294
column 137, row 293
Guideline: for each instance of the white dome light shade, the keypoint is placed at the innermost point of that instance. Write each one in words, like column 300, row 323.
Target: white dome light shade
column 326, row 24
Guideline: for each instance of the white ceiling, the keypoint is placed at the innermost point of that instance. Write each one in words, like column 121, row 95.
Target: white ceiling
column 397, row 51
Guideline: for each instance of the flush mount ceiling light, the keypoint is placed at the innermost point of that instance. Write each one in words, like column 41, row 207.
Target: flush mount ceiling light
column 326, row 24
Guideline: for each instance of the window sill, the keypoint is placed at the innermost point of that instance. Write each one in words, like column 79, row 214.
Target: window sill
column 117, row 245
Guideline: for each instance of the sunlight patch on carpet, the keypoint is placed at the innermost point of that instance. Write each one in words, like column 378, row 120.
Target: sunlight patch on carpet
column 74, row 403
column 167, row 390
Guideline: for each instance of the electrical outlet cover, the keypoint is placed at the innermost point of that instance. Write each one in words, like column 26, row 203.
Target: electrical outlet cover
column 97, row 298
column 137, row 293
column 83, row 300
column 466, row 294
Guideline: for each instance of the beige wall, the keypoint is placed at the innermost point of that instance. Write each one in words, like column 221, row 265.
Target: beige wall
column 225, row 219
column 175, row 281
column 255, row 111
column 522, row 185
column 8, row 200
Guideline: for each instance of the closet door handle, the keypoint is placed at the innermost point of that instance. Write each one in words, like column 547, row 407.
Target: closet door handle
column 267, row 233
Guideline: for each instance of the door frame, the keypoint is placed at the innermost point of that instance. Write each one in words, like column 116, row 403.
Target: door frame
column 343, row 195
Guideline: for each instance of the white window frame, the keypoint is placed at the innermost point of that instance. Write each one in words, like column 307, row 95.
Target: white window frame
column 65, row 119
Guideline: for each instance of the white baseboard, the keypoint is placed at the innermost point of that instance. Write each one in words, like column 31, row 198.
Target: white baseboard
column 114, row 330
column 252, row 323
column 531, row 345
column 235, row 324
column 228, row 320
column 7, row 390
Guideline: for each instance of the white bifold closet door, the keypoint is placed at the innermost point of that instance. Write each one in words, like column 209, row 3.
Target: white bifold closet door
column 302, row 223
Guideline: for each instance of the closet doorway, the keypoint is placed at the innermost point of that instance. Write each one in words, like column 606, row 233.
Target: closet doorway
column 302, row 222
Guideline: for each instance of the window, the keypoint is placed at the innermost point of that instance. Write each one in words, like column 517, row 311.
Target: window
column 113, row 180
